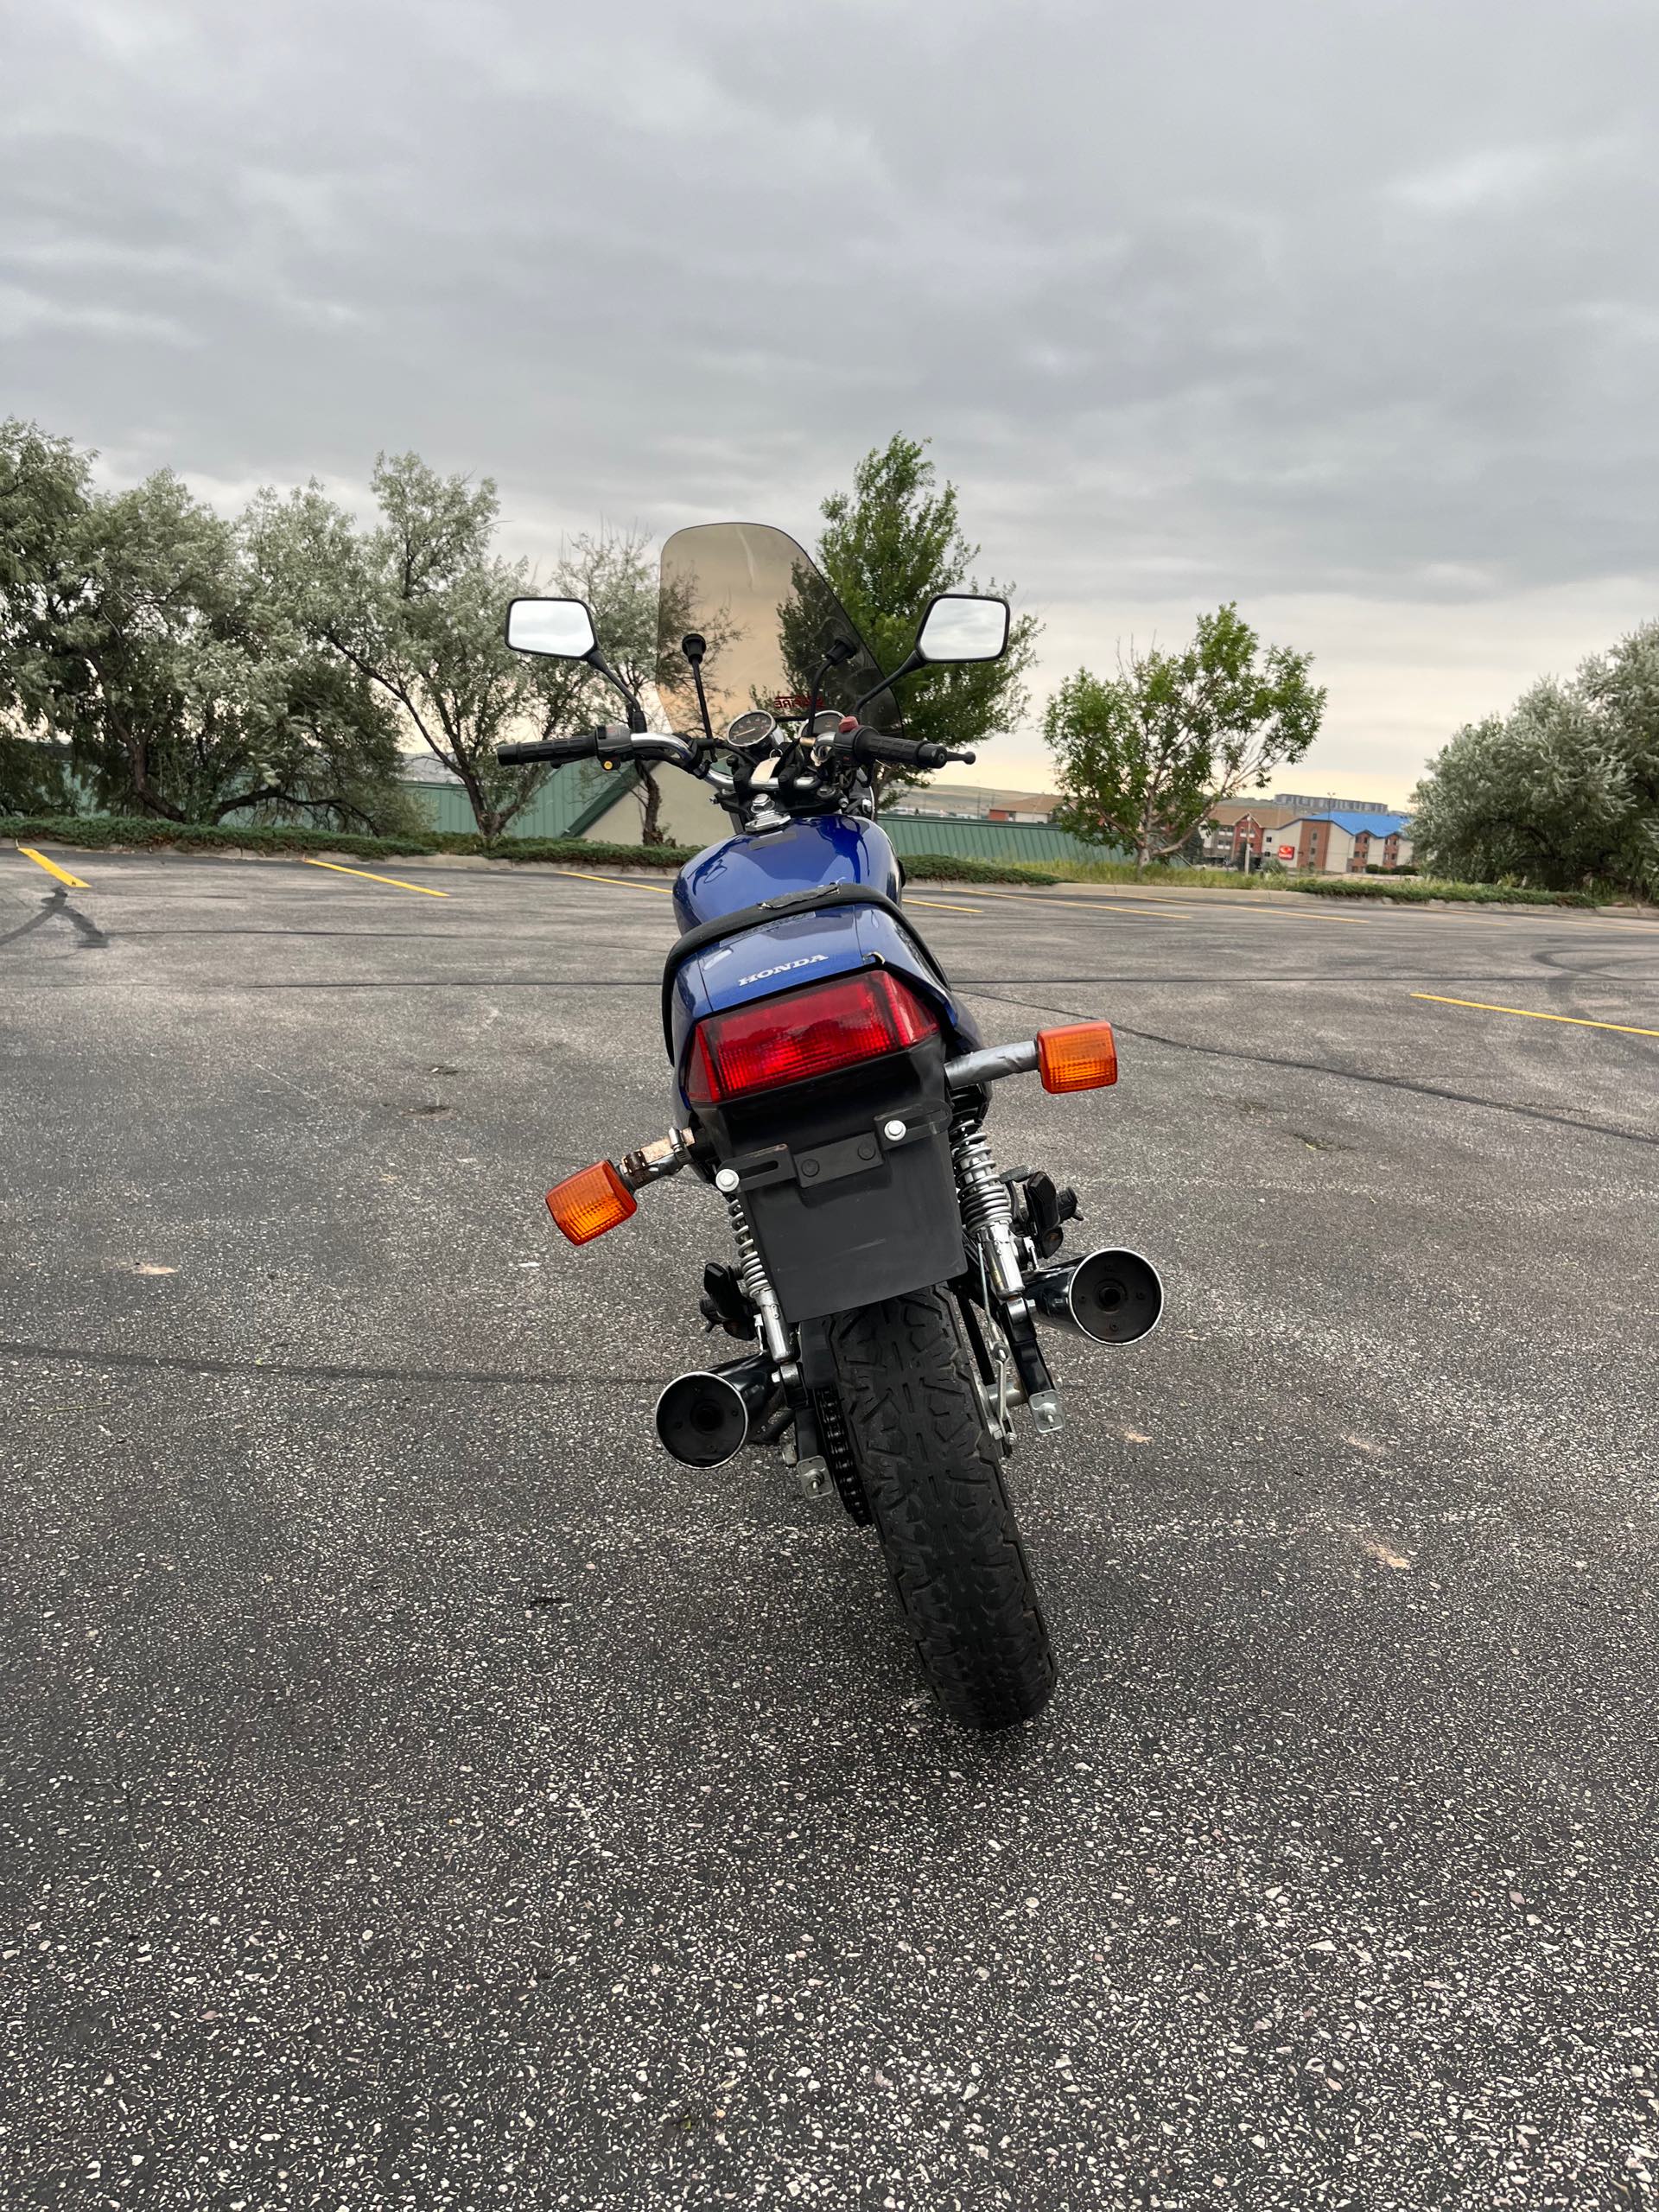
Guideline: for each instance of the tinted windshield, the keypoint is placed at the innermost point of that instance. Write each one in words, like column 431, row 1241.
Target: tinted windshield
column 769, row 618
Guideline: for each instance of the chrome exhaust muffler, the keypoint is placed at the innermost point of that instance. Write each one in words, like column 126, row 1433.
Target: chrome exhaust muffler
column 704, row 1418
column 1112, row 1297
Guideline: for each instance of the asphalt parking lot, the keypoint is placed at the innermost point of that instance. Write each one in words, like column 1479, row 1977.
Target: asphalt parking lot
column 419, row 1792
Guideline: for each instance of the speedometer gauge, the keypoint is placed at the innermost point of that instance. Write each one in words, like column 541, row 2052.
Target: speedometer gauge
column 752, row 733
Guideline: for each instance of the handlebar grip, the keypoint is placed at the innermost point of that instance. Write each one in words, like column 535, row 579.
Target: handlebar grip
column 872, row 745
column 582, row 747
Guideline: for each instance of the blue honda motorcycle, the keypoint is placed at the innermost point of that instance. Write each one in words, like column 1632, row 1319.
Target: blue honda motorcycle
column 892, row 1283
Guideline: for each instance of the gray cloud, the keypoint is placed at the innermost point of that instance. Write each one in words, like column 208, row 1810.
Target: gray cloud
column 1349, row 311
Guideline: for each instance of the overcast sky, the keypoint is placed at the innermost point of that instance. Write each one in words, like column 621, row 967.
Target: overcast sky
column 1348, row 311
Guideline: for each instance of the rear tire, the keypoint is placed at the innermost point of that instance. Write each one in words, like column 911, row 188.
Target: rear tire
column 933, row 1475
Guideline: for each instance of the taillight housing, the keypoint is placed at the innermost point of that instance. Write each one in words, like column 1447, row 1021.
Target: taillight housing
column 800, row 1035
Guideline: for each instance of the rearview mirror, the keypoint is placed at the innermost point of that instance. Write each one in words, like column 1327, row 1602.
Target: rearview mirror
column 963, row 625
column 562, row 628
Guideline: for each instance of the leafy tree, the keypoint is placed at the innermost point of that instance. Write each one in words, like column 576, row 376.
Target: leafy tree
column 34, row 778
column 415, row 608
column 888, row 546
column 1563, row 791
column 1143, row 756
column 133, row 628
column 44, row 491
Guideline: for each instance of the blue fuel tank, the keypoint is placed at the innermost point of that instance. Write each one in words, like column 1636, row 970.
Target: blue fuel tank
column 741, row 871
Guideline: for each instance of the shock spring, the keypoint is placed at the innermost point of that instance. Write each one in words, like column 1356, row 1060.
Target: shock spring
column 987, row 1208
column 757, row 1283
column 983, row 1194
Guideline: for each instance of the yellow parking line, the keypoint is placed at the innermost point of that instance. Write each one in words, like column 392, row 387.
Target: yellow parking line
column 1529, row 1014
column 368, row 876
column 63, row 876
column 939, row 907
column 663, row 890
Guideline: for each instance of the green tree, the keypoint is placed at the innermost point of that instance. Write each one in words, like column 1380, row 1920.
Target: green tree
column 415, row 608
column 888, row 546
column 45, row 486
column 1143, row 756
column 134, row 630
column 1559, row 792
column 34, row 778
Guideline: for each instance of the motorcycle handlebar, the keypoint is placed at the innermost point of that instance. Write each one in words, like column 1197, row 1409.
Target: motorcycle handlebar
column 613, row 742
column 865, row 747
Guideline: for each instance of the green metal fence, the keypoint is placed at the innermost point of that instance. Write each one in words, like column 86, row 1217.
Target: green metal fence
column 990, row 841
column 567, row 802
column 564, row 806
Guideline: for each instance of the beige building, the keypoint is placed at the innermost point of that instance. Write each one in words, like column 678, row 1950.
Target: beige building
column 1341, row 844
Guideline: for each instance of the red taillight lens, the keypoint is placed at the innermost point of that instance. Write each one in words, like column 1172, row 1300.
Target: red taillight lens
column 802, row 1034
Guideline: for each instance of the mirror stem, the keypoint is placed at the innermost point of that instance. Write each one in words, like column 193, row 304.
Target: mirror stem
column 694, row 646
column 842, row 649
column 636, row 723
column 914, row 661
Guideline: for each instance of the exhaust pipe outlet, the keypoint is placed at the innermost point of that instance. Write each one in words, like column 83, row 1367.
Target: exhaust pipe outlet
column 1113, row 1297
column 704, row 1418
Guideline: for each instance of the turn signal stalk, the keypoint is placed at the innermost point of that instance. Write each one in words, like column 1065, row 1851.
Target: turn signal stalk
column 1082, row 1056
column 601, row 1197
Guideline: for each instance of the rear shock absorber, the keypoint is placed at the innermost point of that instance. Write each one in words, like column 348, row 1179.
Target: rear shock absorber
column 987, row 1209
column 757, row 1283
column 987, row 1216
column 812, row 1468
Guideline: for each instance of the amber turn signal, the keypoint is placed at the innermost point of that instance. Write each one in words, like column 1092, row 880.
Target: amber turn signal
column 588, row 1203
column 1081, row 1057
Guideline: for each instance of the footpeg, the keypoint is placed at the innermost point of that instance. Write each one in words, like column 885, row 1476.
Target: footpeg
column 1047, row 1412
column 812, row 1476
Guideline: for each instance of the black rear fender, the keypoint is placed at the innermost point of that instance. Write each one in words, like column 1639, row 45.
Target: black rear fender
column 847, row 1181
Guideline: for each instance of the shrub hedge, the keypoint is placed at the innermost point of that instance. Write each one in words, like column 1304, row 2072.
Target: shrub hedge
column 1415, row 890
column 957, row 867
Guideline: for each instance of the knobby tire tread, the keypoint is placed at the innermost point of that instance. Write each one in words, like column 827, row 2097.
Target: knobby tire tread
column 933, row 1478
